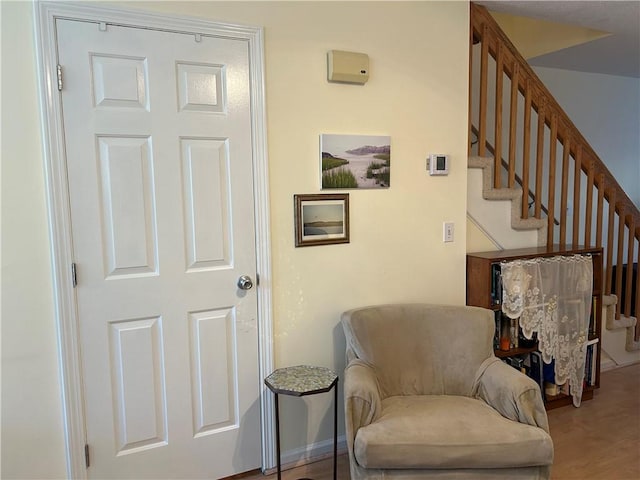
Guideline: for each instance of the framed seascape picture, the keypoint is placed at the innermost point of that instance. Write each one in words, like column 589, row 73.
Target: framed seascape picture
column 355, row 161
column 321, row 219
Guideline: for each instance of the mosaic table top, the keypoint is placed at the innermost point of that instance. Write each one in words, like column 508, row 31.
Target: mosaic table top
column 301, row 380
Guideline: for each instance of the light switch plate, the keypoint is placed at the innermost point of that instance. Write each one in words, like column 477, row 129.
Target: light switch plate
column 447, row 231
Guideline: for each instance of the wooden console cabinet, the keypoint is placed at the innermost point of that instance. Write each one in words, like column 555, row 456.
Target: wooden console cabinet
column 481, row 269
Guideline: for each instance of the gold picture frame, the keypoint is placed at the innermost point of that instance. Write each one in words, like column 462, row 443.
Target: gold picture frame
column 321, row 219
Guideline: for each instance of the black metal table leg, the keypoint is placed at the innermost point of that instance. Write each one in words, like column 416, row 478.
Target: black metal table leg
column 278, row 438
column 335, row 432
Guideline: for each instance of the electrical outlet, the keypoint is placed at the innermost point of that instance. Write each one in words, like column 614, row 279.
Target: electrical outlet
column 447, row 232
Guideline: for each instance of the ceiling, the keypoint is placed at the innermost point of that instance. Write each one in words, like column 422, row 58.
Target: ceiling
column 616, row 54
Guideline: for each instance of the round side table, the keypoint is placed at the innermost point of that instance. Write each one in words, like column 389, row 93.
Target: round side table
column 299, row 381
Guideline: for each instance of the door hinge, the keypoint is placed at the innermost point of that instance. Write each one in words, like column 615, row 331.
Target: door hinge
column 59, row 70
column 74, row 275
column 87, row 461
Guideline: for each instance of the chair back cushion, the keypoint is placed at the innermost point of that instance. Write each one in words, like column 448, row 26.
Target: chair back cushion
column 421, row 349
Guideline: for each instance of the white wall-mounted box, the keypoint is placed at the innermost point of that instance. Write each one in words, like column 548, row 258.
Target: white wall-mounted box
column 347, row 67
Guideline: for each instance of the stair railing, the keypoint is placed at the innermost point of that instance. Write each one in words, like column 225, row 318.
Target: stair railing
column 532, row 196
column 536, row 145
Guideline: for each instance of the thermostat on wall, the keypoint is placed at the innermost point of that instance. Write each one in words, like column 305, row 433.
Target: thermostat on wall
column 438, row 164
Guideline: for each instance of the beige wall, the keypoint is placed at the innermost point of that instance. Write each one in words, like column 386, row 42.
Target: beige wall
column 533, row 37
column 417, row 94
column 477, row 240
column 32, row 436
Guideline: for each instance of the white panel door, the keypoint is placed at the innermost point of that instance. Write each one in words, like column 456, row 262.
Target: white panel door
column 158, row 142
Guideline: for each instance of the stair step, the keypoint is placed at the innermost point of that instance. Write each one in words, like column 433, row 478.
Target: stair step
column 514, row 195
column 528, row 224
column 626, row 322
column 609, row 304
column 475, row 161
column 631, row 344
column 612, row 323
column 502, row 194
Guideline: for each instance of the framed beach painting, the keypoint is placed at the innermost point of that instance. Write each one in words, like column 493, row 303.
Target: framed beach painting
column 321, row 219
column 355, row 161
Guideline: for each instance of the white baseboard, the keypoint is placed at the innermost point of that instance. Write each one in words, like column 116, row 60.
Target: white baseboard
column 607, row 363
column 309, row 454
column 621, row 365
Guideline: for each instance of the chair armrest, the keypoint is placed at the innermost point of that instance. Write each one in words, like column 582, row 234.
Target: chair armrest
column 513, row 394
column 362, row 400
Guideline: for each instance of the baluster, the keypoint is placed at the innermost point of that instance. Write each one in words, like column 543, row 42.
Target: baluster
column 471, row 43
column 552, row 179
column 497, row 147
column 526, row 152
column 539, row 158
column 612, row 215
column 637, row 279
column 497, row 150
column 577, row 181
column 627, row 294
column 566, row 150
column 588, row 214
column 620, row 258
column 484, row 65
column 600, row 211
column 513, row 123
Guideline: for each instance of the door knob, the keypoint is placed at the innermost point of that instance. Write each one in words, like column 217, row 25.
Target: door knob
column 245, row 282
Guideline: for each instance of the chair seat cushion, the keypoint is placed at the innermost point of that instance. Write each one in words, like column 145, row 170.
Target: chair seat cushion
column 445, row 431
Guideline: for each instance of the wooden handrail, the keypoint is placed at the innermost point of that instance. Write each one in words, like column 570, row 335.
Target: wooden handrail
column 553, row 129
column 481, row 21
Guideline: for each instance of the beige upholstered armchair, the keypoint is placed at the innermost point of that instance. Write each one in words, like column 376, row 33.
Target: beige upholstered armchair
column 426, row 397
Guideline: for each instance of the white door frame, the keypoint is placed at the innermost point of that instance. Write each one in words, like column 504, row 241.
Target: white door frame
column 45, row 14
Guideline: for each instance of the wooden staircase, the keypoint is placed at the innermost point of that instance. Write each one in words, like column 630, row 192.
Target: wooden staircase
column 532, row 153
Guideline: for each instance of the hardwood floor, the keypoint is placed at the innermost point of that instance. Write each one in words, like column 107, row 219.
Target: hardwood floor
column 601, row 439
column 598, row 441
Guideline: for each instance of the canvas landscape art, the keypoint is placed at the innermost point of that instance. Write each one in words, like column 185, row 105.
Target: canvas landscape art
column 355, row 161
